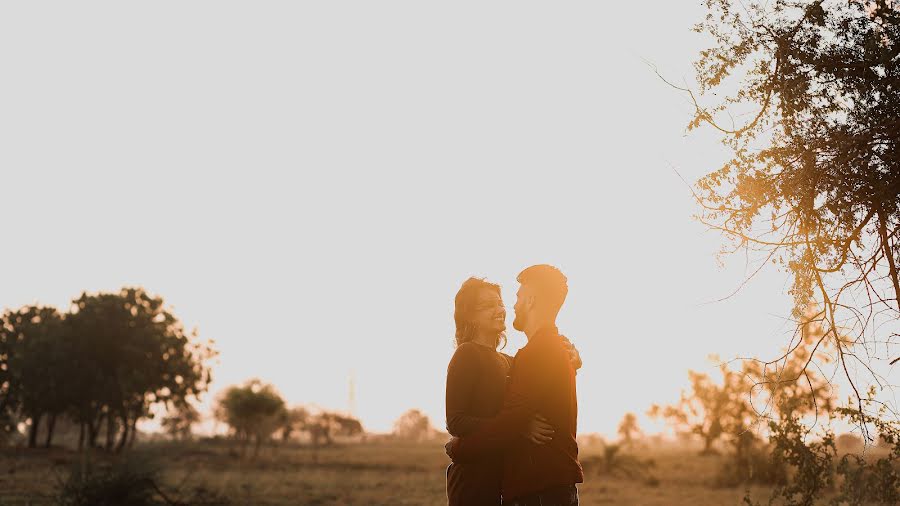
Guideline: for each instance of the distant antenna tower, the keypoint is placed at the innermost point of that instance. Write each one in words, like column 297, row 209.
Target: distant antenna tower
column 351, row 400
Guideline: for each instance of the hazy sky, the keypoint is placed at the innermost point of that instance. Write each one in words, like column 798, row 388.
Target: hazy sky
column 308, row 183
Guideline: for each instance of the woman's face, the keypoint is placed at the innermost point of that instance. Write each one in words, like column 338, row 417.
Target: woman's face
column 489, row 314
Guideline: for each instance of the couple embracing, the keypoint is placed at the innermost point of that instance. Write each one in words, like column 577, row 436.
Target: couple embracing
column 513, row 419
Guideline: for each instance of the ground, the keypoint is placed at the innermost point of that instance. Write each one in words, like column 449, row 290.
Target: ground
column 383, row 473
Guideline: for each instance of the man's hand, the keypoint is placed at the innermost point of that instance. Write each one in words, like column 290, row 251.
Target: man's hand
column 448, row 448
column 574, row 356
column 539, row 431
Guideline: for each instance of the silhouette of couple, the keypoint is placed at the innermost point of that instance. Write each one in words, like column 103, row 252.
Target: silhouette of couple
column 513, row 419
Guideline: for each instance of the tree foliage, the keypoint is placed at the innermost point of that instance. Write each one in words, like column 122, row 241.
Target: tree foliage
column 253, row 411
column 103, row 363
column 743, row 400
column 711, row 410
column 814, row 180
column 293, row 420
column 413, row 425
column 628, row 429
column 179, row 422
column 813, row 185
column 324, row 426
column 34, row 366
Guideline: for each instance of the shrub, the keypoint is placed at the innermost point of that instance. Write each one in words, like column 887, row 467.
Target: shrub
column 129, row 481
column 132, row 481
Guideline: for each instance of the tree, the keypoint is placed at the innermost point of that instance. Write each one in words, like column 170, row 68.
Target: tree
column 326, row 425
column 628, row 428
column 253, row 410
column 179, row 421
column 293, row 420
column 413, row 425
column 814, row 181
column 788, row 387
column 131, row 352
column 711, row 410
column 34, row 368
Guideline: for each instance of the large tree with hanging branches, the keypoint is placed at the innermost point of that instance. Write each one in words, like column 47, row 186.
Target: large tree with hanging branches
column 807, row 96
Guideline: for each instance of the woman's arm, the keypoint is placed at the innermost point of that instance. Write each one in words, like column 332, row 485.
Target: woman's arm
column 462, row 374
column 574, row 356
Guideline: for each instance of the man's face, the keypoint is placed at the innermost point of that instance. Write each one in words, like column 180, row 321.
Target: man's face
column 524, row 303
column 490, row 313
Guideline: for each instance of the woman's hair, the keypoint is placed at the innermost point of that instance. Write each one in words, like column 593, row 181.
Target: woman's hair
column 465, row 304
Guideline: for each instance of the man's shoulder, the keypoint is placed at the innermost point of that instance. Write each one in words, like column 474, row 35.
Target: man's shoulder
column 547, row 341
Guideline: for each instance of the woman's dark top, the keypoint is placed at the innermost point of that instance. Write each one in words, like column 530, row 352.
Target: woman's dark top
column 476, row 383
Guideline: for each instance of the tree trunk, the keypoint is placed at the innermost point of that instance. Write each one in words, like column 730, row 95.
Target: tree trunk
column 133, row 435
column 125, row 431
column 110, row 431
column 707, row 446
column 33, row 431
column 51, row 423
column 888, row 254
column 94, row 430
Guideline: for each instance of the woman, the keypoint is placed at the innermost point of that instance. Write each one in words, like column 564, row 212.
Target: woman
column 476, row 382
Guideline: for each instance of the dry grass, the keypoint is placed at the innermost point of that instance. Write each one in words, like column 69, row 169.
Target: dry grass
column 369, row 474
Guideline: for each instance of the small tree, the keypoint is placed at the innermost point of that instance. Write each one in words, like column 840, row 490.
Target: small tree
column 179, row 422
column 34, row 368
column 325, row 425
column 413, row 425
column 253, row 410
column 710, row 410
column 293, row 420
column 628, row 429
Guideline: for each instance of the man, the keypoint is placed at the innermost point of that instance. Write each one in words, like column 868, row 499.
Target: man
column 542, row 382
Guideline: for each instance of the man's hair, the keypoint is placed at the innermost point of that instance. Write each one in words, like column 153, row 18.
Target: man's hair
column 549, row 284
column 465, row 304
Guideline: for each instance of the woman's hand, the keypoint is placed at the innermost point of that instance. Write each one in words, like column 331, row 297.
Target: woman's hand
column 539, row 431
column 574, row 356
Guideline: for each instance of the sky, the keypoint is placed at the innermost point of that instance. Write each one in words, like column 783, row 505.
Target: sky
column 309, row 183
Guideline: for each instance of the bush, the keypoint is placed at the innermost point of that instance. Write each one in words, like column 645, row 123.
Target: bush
column 754, row 466
column 129, row 481
column 871, row 481
column 614, row 463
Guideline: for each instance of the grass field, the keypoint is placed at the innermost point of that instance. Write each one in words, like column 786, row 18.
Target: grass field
column 365, row 474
